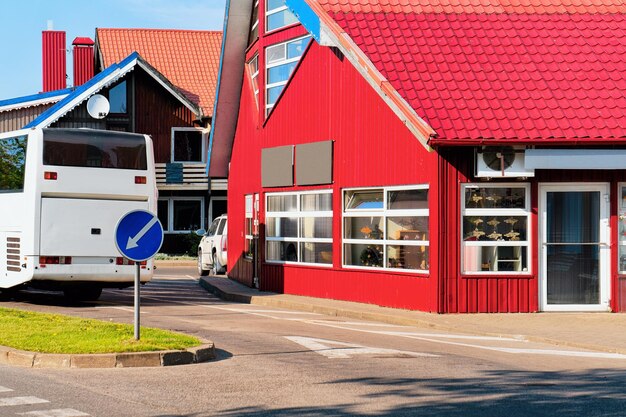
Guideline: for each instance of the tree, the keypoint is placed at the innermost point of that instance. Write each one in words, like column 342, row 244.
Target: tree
column 12, row 163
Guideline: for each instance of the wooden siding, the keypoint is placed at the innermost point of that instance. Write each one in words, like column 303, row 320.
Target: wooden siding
column 18, row 118
column 327, row 99
column 156, row 112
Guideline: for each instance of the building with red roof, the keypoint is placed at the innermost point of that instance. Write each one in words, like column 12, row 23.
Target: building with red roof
column 444, row 156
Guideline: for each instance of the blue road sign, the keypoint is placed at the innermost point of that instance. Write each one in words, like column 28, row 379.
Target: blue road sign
column 139, row 235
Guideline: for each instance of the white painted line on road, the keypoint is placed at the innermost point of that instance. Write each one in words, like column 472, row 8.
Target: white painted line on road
column 339, row 325
column 5, row 402
column 436, row 337
column 5, row 389
column 347, row 350
column 61, row 412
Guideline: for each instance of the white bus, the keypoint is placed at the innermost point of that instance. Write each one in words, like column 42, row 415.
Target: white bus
column 62, row 192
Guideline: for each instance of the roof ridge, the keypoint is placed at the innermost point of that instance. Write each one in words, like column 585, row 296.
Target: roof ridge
column 160, row 30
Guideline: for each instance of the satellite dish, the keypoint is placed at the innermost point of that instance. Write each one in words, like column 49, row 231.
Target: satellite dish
column 98, row 106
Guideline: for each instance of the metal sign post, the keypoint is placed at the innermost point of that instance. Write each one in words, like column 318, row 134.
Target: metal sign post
column 137, row 298
column 138, row 236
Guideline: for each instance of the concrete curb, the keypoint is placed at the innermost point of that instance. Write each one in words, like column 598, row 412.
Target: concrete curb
column 198, row 354
column 277, row 300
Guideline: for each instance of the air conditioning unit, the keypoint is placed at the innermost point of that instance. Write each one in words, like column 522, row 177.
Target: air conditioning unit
column 501, row 162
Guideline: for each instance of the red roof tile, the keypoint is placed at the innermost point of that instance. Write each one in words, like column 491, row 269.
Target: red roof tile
column 499, row 69
column 188, row 58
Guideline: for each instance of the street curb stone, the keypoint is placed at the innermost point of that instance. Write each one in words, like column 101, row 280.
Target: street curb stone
column 135, row 360
column 20, row 358
column 198, row 354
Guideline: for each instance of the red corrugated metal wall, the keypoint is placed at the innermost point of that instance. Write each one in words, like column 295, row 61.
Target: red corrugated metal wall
column 484, row 294
column 54, row 60
column 328, row 99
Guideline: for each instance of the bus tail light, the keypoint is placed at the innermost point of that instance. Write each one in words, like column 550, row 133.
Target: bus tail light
column 224, row 243
column 140, row 179
column 54, row 260
column 120, row 260
column 50, row 175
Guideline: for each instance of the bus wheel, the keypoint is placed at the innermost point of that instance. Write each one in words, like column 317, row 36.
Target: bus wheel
column 83, row 292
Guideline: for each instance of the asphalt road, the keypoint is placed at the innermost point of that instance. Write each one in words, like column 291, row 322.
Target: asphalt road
column 287, row 363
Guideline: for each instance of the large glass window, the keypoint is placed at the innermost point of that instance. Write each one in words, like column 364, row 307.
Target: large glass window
column 386, row 228
column 94, row 149
column 277, row 15
column 117, row 99
column 299, row 227
column 253, row 72
column 281, row 60
column 187, row 145
column 12, row 164
column 181, row 215
column 495, row 229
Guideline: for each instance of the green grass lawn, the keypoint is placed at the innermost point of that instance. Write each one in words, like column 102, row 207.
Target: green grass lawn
column 55, row 333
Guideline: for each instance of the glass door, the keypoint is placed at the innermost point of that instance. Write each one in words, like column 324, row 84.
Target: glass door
column 575, row 247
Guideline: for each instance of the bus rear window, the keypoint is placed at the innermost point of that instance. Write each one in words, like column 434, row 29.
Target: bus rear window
column 12, row 164
column 94, row 149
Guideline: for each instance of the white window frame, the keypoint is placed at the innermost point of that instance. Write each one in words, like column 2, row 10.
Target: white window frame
column 621, row 226
column 277, row 63
column 204, row 136
column 497, row 212
column 299, row 215
column 170, row 213
column 384, row 213
column 254, row 76
column 276, row 10
column 249, row 215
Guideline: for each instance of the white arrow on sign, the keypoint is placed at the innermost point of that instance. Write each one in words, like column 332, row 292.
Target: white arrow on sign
column 132, row 241
column 347, row 350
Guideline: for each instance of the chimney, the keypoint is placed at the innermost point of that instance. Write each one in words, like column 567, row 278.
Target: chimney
column 83, row 60
column 54, row 60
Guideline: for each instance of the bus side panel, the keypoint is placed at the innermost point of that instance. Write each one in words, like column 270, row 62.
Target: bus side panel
column 82, row 227
column 12, row 242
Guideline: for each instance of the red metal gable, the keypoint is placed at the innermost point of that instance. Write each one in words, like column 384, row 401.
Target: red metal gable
column 499, row 70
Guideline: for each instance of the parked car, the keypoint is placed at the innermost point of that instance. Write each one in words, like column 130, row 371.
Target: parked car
column 212, row 248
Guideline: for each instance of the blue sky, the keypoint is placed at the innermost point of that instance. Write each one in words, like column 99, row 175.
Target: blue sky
column 21, row 23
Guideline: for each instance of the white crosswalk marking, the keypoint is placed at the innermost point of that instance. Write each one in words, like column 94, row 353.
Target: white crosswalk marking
column 61, row 412
column 4, row 402
column 5, row 389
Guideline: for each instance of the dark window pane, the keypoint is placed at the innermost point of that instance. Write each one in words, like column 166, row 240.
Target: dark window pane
column 490, row 197
column 117, row 99
column 94, row 149
column 573, row 276
column 407, row 199
column 12, row 164
column 363, row 255
column 187, row 146
column 187, row 215
column 407, row 257
column 573, row 217
column 218, row 207
column 163, row 213
column 318, row 253
column 282, row 251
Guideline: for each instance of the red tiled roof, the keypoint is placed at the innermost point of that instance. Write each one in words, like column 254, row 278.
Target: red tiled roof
column 499, row 69
column 188, row 58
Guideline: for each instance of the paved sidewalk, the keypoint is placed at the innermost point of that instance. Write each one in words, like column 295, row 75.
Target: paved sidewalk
column 604, row 332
